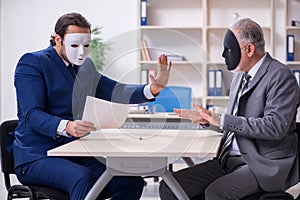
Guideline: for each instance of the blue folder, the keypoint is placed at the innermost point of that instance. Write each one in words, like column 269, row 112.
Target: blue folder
column 144, row 12
column 290, row 47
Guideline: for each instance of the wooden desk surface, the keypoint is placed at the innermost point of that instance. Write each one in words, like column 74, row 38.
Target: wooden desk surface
column 143, row 143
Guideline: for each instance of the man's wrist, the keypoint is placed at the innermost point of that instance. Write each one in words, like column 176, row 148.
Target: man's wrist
column 155, row 89
column 216, row 119
column 147, row 92
column 222, row 121
column 61, row 129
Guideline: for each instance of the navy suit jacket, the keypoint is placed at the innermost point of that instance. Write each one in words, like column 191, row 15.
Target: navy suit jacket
column 48, row 93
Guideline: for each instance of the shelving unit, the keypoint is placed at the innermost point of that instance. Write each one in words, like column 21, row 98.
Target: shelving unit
column 195, row 29
column 291, row 8
column 292, row 13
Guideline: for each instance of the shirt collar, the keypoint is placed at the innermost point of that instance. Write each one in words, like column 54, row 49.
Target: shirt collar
column 66, row 63
column 255, row 68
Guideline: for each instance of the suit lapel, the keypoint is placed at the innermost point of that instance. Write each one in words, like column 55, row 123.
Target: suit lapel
column 237, row 80
column 235, row 85
column 260, row 73
column 59, row 64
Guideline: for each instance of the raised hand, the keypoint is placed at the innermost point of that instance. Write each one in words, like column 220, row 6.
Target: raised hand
column 160, row 81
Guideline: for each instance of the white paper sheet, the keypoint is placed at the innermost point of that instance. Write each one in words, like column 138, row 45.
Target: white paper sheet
column 105, row 114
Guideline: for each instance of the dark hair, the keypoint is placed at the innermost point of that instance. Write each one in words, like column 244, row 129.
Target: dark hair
column 65, row 21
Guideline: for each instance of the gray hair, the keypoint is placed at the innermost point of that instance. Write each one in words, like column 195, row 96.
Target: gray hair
column 250, row 32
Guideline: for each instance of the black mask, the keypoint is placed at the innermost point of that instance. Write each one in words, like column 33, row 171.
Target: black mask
column 232, row 51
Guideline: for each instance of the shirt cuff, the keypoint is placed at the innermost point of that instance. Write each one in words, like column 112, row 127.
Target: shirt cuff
column 222, row 121
column 62, row 127
column 147, row 92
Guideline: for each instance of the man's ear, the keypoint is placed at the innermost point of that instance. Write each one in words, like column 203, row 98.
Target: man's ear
column 58, row 40
column 250, row 49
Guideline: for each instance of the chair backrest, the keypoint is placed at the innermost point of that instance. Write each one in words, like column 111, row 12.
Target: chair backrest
column 7, row 162
column 172, row 97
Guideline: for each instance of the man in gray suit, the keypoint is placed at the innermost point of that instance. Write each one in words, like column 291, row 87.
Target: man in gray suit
column 258, row 150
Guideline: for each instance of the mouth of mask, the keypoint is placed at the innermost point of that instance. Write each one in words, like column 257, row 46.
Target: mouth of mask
column 232, row 51
column 77, row 47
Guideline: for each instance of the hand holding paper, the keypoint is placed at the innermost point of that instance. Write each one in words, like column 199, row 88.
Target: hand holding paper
column 104, row 114
column 79, row 128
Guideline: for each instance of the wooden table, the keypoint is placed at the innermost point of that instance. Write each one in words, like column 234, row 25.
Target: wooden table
column 139, row 152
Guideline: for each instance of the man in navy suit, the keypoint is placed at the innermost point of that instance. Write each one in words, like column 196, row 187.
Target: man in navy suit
column 45, row 96
column 259, row 147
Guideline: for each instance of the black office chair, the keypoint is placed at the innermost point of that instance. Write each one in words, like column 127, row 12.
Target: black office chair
column 21, row 191
column 277, row 195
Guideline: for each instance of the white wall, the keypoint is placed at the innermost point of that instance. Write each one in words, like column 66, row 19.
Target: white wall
column 26, row 25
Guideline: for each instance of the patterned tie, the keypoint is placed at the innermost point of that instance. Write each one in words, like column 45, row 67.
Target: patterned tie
column 230, row 135
column 246, row 80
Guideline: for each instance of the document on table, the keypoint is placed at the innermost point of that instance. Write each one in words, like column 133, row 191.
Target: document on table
column 104, row 114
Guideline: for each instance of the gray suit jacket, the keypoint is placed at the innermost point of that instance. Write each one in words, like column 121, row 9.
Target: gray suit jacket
column 265, row 127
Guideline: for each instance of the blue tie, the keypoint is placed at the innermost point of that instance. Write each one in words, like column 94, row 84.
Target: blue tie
column 73, row 69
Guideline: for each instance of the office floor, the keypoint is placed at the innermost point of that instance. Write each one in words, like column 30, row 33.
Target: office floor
column 150, row 191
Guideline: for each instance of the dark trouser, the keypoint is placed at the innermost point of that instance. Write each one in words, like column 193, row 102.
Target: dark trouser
column 76, row 176
column 212, row 182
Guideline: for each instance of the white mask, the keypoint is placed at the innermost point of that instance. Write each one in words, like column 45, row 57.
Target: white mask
column 77, row 47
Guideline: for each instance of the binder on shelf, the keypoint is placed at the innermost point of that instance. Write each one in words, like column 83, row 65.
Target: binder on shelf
column 211, row 82
column 215, row 79
column 144, row 12
column 144, row 76
column 290, row 48
column 218, row 84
